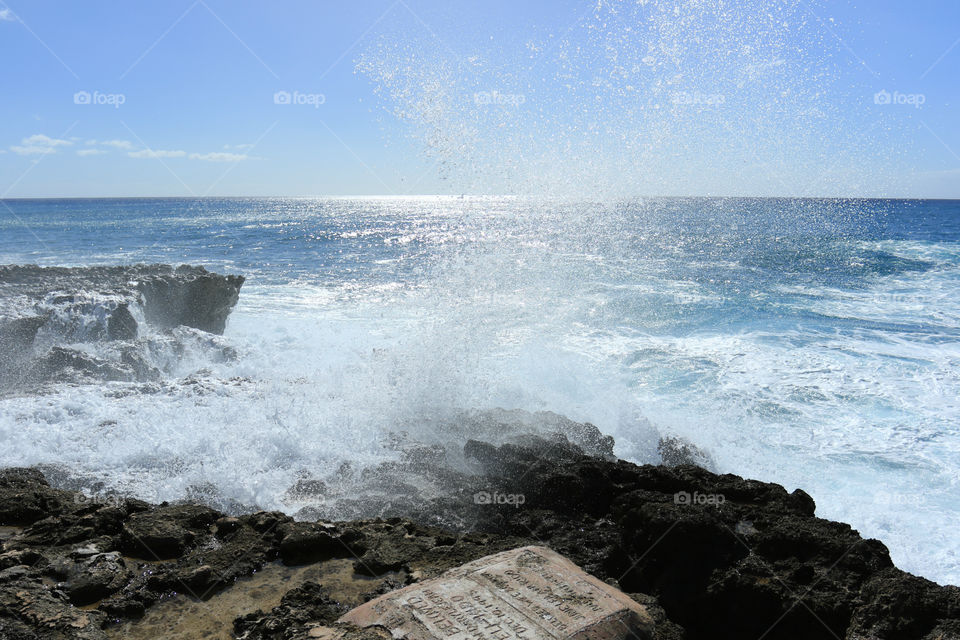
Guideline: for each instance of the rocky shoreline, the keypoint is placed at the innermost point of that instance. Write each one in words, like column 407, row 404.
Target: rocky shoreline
column 710, row 556
column 97, row 324
column 715, row 556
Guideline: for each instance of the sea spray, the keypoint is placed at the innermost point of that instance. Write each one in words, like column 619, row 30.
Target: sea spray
column 663, row 97
column 807, row 342
column 757, row 329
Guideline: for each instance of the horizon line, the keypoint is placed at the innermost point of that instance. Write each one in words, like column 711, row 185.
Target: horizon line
column 479, row 196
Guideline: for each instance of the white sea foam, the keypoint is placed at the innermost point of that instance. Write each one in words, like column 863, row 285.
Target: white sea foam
column 857, row 407
column 672, row 314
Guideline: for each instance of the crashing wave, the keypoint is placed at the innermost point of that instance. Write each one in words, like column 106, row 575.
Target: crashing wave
column 124, row 323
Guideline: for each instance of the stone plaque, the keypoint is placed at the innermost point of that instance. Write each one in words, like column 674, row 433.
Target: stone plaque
column 530, row 593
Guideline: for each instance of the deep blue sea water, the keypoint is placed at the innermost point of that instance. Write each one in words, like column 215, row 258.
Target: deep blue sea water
column 814, row 343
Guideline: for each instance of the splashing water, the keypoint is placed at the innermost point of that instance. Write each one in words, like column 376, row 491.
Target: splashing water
column 645, row 98
column 709, row 97
column 808, row 342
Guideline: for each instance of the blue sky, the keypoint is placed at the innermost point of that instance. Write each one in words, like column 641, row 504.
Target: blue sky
column 188, row 98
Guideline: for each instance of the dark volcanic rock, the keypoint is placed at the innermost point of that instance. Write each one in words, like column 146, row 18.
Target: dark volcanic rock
column 122, row 325
column 89, row 578
column 80, row 324
column 65, row 364
column 25, row 497
column 718, row 551
column 31, row 611
column 677, row 451
column 307, row 603
column 191, row 296
column 428, row 473
column 307, row 542
column 17, row 336
column 165, row 532
column 895, row 604
column 664, row 629
column 723, row 556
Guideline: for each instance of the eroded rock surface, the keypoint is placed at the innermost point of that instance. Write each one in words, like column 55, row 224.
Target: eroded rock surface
column 530, row 593
column 717, row 556
column 62, row 324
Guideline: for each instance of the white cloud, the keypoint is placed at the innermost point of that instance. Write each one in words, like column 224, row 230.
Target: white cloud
column 31, row 150
column 118, row 144
column 159, row 153
column 239, row 147
column 6, row 15
column 46, row 141
column 219, row 156
column 90, row 152
column 39, row 144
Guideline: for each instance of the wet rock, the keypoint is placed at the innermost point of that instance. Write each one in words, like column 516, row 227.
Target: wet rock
column 663, row 627
column 14, row 573
column 28, row 558
column 133, row 360
column 62, row 364
column 191, row 296
column 121, row 324
column 384, row 587
column 424, row 454
column 28, row 609
column 514, row 460
column 186, row 295
column 675, row 452
column 79, row 324
column 501, row 426
column 214, row 566
column 948, row 630
column 895, row 604
column 307, row 488
column 209, row 494
column 309, row 604
column 17, row 336
column 25, row 497
column 304, row 543
column 95, row 577
column 166, row 532
column 266, row 522
column 226, row 525
column 21, row 478
column 718, row 552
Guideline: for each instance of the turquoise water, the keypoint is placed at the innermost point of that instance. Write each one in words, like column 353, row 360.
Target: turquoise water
column 815, row 343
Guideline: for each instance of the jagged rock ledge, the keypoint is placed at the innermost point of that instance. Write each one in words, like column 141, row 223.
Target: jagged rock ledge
column 716, row 556
column 45, row 312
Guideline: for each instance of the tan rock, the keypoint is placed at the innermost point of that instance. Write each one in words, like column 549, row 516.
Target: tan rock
column 530, row 593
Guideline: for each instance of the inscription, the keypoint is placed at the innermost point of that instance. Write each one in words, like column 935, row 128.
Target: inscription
column 525, row 594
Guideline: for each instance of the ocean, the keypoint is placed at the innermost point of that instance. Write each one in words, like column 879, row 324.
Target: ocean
column 814, row 343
